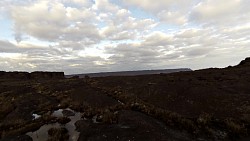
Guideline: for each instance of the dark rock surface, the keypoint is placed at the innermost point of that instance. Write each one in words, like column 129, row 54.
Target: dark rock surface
column 18, row 138
column 25, row 107
column 58, row 134
column 131, row 126
column 129, row 73
column 245, row 63
column 32, row 75
column 14, row 75
column 209, row 104
column 47, row 75
column 68, row 113
column 92, row 97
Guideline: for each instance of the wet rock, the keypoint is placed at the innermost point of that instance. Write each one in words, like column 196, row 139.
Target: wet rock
column 25, row 106
column 35, row 116
column 58, row 134
column 63, row 120
column 53, row 131
column 88, row 114
column 82, row 125
column 131, row 126
column 99, row 118
column 18, row 138
column 68, row 113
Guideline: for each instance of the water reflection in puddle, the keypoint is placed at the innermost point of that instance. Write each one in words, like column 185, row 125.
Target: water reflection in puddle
column 35, row 116
column 42, row 133
column 71, row 127
column 57, row 113
column 94, row 119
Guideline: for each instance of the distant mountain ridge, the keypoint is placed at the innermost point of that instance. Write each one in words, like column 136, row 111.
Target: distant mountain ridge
column 129, row 73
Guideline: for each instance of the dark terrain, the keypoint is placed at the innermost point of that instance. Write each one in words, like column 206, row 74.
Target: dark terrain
column 210, row 104
column 129, row 73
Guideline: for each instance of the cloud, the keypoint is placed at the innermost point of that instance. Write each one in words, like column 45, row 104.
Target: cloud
column 157, row 38
column 78, row 3
column 176, row 18
column 132, row 29
column 181, row 48
column 53, row 21
column 105, row 6
column 28, row 57
column 6, row 46
column 168, row 11
column 152, row 6
column 223, row 12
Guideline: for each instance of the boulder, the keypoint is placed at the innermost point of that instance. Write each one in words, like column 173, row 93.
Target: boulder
column 68, row 113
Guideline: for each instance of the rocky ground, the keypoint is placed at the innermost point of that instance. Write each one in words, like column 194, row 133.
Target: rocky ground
column 209, row 104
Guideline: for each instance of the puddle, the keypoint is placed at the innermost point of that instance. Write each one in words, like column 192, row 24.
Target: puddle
column 120, row 102
column 94, row 119
column 42, row 133
column 57, row 113
column 72, row 128
column 35, row 116
column 124, row 126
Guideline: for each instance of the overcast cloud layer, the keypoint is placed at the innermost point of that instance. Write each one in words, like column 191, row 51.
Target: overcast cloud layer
column 79, row 36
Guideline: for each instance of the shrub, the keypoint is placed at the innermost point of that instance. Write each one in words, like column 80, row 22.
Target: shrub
column 204, row 119
column 235, row 129
column 109, row 117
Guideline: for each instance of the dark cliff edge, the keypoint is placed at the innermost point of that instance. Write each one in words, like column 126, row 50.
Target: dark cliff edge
column 245, row 63
column 32, row 75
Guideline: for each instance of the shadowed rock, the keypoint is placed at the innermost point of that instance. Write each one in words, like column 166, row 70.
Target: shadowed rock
column 47, row 75
column 245, row 63
column 32, row 75
column 18, row 138
column 68, row 113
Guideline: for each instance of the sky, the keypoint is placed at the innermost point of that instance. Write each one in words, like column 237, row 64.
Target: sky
column 83, row 36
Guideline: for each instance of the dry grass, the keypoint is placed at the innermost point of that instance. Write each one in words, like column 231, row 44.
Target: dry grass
column 204, row 119
column 109, row 117
column 6, row 107
column 235, row 129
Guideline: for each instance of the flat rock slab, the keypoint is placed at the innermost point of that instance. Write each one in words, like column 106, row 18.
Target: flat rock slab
column 131, row 126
